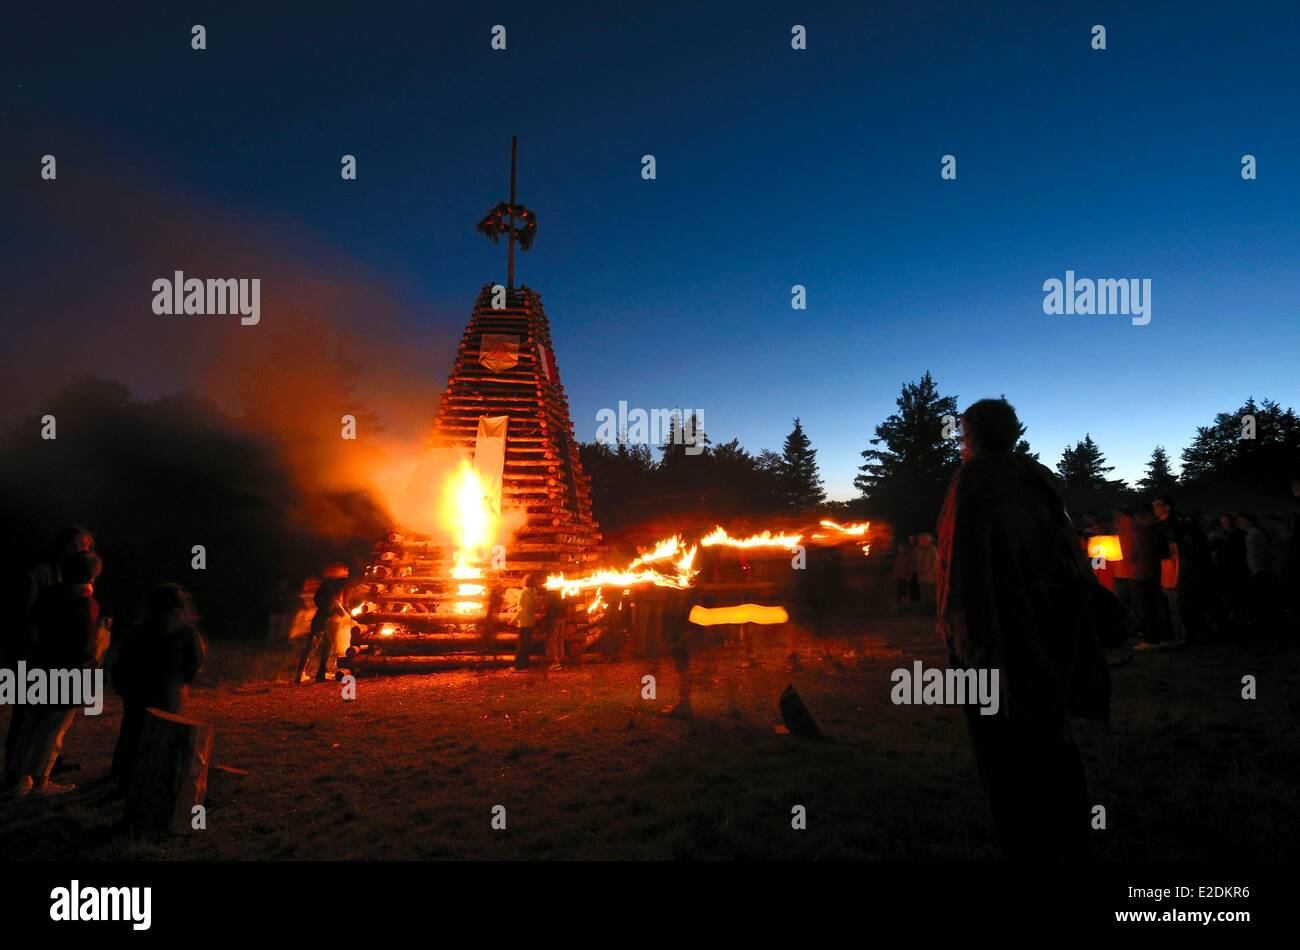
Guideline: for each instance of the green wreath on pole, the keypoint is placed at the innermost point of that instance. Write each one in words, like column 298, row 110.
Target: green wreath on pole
column 497, row 222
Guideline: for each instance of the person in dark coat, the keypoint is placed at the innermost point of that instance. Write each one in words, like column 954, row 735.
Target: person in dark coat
column 677, row 632
column 490, row 626
column 554, row 622
column 902, row 575
column 1142, row 558
column 1012, row 597
column 20, row 638
column 155, row 667
column 68, row 637
column 526, row 621
column 1291, row 567
column 331, row 593
column 618, row 626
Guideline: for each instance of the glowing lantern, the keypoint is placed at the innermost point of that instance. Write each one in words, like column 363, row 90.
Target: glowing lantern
column 1105, row 546
column 740, row 613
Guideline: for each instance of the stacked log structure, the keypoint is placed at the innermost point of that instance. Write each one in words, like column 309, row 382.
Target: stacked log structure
column 409, row 620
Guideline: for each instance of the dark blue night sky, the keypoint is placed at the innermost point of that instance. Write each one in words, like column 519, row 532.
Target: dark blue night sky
column 775, row 168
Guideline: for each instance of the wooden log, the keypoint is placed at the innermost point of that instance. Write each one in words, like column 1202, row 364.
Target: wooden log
column 435, row 644
column 171, row 773
column 426, row 664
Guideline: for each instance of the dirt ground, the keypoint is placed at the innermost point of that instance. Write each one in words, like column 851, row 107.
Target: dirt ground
column 586, row 768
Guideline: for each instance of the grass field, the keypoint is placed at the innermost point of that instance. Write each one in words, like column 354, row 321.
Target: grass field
column 586, row 768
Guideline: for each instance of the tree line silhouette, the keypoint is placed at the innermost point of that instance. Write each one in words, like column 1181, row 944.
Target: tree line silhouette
column 154, row 477
column 1245, row 457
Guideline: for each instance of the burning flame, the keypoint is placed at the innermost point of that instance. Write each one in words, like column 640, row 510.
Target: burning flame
column 856, row 530
column 470, row 512
column 764, row 540
column 648, row 568
column 672, row 550
column 473, row 521
column 467, row 572
column 662, row 551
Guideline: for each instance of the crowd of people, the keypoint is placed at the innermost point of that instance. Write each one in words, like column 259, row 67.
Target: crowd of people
column 59, row 627
column 916, row 578
column 1189, row 579
column 1038, row 596
column 539, row 620
column 1185, row 578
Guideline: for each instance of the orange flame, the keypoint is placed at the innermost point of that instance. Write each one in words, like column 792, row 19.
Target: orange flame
column 765, row 539
column 662, row 551
column 470, row 512
column 857, row 529
column 473, row 520
column 672, row 550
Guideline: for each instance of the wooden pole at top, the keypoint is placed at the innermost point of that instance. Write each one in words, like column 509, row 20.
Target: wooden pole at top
column 510, row 259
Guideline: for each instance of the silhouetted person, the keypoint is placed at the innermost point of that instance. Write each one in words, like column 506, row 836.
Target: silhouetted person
column 554, row 622
column 676, row 630
column 20, row 638
column 1228, row 567
column 1123, row 572
column 1291, row 568
column 73, row 539
column 1263, row 595
column 651, row 604
column 490, row 624
column 525, row 621
column 926, row 559
column 161, row 657
column 1089, row 524
column 1143, row 559
column 825, row 590
column 618, row 626
column 329, row 596
column 1177, row 569
column 1013, row 597
column 67, row 638
column 902, row 575
column 913, row 585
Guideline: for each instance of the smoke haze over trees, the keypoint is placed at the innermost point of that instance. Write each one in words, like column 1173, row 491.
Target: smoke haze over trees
column 271, row 491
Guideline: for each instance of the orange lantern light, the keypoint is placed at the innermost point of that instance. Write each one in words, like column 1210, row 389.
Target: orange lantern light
column 740, row 613
column 1105, row 546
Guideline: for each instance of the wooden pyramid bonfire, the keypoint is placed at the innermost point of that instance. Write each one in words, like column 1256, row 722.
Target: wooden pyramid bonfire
column 427, row 603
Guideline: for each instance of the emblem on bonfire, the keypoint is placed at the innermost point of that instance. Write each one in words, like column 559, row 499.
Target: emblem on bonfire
column 498, row 351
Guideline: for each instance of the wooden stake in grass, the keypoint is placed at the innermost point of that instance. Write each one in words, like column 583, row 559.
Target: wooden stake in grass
column 171, row 773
